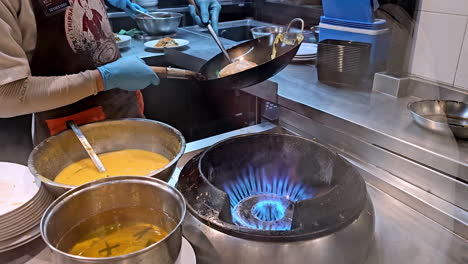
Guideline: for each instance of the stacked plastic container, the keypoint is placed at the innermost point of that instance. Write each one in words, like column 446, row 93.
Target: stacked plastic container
column 352, row 44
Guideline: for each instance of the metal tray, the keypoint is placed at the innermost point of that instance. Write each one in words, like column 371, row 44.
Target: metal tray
column 446, row 117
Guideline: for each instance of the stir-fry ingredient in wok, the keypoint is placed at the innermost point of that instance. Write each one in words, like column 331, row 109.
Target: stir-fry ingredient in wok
column 121, row 236
column 235, row 67
column 166, row 42
column 281, row 38
column 128, row 162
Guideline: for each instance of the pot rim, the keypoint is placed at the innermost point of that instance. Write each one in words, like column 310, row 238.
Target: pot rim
column 95, row 184
column 174, row 15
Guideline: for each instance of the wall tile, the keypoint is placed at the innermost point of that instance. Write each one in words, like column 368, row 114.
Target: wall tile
column 437, row 46
column 461, row 78
column 458, row 7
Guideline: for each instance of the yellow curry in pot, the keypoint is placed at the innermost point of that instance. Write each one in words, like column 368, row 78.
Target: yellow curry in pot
column 128, row 162
column 116, row 232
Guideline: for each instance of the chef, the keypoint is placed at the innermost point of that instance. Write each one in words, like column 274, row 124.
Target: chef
column 59, row 60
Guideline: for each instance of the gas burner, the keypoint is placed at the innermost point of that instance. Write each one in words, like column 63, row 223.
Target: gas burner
column 262, row 202
column 289, row 196
column 263, row 211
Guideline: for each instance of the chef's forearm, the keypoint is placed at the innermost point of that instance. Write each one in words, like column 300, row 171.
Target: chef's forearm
column 37, row 94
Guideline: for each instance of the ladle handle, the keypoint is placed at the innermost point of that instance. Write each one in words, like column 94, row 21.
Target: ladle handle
column 192, row 2
column 97, row 162
column 218, row 41
column 212, row 32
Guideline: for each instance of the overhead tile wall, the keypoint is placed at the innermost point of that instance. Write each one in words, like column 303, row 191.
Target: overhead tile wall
column 440, row 49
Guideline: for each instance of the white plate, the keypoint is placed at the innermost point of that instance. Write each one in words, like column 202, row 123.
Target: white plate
column 17, row 186
column 20, row 240
column 186, row 255
column 25, row 223
column 181, row 42
column 25, row 210
column 307, row 49
column 124, row 41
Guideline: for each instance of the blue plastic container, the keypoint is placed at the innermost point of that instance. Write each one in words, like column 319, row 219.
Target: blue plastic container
column 352, row 10
column 377, row 34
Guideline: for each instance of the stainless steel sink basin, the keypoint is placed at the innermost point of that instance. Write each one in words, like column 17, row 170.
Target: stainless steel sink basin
column 239, row 33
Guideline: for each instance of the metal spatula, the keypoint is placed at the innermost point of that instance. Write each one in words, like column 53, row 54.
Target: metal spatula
column 212, row 33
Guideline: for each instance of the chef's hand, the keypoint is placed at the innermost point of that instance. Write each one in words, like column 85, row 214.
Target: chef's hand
column 127, row 6
column 128, row 73
column 209, row 10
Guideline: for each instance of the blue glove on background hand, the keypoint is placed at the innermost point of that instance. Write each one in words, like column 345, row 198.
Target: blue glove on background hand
column 128, row 73
column 127, row 6
column 209, row 10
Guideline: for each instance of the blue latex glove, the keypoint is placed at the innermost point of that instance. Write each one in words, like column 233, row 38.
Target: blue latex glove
column 127, row 6
column 128, row 73
column 209, row 10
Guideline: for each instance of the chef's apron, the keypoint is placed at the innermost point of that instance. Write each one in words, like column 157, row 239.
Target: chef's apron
column 74, row 36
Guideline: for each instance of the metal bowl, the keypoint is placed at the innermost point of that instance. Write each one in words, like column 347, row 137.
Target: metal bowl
column 107, row 194
column 55, row 153
column 258, row 32
column 441, row 116
column 164, row 24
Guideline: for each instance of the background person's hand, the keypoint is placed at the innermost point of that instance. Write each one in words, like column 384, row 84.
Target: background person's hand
column 128, row 73
column 127, row 6
column 209, row 10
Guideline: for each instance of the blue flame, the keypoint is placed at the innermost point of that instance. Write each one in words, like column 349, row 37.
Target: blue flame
column 269, row 210
column 256, row 182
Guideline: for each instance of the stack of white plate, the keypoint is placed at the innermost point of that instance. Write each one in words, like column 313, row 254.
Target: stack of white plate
column 23, row 200
column 307, row 52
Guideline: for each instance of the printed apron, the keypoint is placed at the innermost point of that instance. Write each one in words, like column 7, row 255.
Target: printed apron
column 74, row 36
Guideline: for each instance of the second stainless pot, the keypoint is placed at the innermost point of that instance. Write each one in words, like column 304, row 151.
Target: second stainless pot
column 166, row 204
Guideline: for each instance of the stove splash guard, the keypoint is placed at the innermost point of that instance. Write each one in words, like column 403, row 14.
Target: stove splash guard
column 274, row 198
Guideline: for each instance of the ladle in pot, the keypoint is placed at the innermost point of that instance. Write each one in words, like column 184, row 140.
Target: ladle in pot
column 92, row 154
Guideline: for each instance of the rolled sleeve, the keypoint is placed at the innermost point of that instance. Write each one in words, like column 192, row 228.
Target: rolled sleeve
column 18, row 39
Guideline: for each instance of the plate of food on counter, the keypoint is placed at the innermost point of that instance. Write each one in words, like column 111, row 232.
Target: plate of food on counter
column 166, row 43
column 123, row 41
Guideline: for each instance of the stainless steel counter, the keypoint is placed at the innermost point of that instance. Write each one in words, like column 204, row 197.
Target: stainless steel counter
column 402, row 235
column 382, row 119
column 201, row 46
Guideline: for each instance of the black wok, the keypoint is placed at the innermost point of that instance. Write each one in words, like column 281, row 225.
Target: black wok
column 256, row 50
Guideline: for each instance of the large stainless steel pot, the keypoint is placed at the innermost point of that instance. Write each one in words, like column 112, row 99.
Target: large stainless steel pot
column 52, row 155
column 273, row 198
column 112, row 193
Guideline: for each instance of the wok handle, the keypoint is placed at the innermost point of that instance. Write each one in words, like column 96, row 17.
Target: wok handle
column 175, row 73
column 296, row 20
